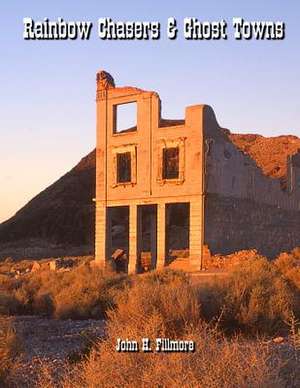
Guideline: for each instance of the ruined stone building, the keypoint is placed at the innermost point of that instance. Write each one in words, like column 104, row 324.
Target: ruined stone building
column 167, row 188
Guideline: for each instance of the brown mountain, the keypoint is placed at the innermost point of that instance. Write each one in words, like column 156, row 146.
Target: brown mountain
column 60, row 220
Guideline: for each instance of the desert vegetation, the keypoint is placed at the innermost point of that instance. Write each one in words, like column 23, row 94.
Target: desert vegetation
column 233, row 321
column 80, row 293
column 10, row 349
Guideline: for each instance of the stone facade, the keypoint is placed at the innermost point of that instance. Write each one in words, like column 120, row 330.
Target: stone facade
column 188, row 169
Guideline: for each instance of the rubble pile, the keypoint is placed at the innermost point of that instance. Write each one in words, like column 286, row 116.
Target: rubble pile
column 229, row 261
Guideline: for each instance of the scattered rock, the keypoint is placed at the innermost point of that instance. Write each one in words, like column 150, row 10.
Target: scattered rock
column 229, row 261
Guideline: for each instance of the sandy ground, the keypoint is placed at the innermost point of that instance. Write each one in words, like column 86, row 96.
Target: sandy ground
column 51, row 342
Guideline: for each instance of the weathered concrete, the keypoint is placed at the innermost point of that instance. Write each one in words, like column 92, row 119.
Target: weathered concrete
column 148, row 185
column 245, row 209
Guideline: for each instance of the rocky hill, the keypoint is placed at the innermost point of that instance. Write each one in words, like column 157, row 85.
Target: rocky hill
column 270, row 153
column 60, row 217
column 60, row 220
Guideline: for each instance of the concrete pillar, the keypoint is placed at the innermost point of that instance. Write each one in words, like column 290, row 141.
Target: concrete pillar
column 161, row 236
column 100, row 234
column 109, row 247
column 132, row 257
column 153, row 238
column 196, row 233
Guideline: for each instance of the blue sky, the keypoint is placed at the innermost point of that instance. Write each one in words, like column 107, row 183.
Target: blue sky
column 47, row 92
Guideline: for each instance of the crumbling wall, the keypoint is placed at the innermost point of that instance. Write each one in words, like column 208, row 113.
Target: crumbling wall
column 293, row 169
column 245, row 209
column 230, row 172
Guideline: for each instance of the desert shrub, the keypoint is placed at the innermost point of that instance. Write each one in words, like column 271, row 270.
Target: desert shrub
column 43, row 304
column 8, row 283
column 8, row 304
column 174, row 304
column 296, row 253
column 257, row 298
column 153, row 309
column 165, row 276
column 211, row 296
column 254, row 298
column 25, row 298
column 10, row 348
column 4, row 280
column 88, row 293
column 160, row 306
column 6, row 266
column 217, row 362
column 79, row 293
column 289, row 265
column 285, row 261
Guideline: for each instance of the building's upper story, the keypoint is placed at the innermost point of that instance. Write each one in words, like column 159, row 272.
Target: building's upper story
column 157, row 158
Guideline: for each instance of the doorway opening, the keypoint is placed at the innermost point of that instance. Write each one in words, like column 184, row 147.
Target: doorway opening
column 147, row 237
column 118, row 237
column 177, row 231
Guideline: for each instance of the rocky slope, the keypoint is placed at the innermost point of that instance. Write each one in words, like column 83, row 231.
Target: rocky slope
column 60, row 216
column 270, row 153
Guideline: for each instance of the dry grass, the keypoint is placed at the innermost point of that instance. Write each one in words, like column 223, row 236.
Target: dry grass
column 165, row 296
column 80, row 293
column 10, row 348
column 289, row 265
column 256, row 299
column 216, row 362
column 165, row 304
